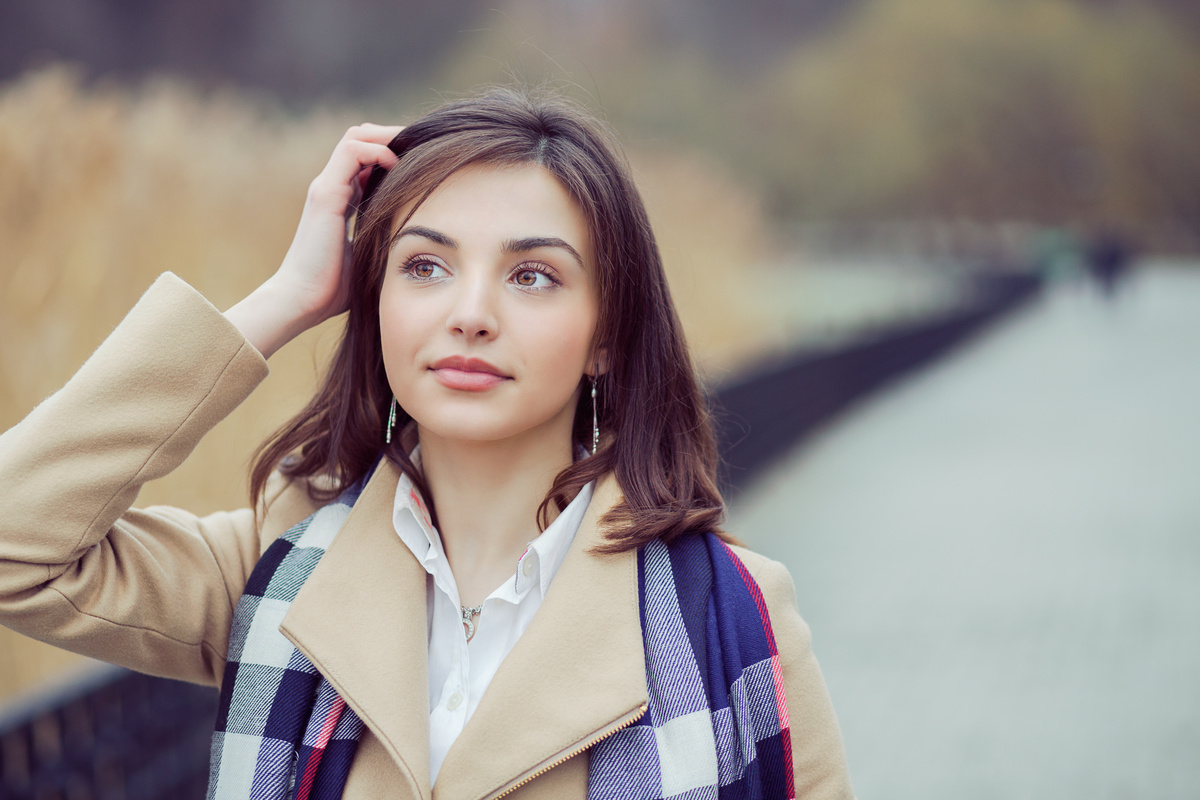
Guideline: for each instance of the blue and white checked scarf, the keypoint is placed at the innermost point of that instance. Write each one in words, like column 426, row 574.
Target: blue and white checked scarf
column 716, row 726
column 282, row 730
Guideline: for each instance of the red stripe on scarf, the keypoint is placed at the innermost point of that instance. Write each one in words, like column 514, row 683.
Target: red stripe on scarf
column 785, row 726
column 314, row 760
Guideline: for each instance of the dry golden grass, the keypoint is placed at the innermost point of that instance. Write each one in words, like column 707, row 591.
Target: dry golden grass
column 106, row 188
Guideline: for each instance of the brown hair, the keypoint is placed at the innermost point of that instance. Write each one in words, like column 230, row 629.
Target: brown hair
column 655, row 430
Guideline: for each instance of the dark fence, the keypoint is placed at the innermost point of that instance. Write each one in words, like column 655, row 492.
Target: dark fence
column 125, row 736
column 114, row 735
column 769, row 410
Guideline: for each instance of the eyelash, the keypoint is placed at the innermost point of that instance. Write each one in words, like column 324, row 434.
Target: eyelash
column 410, row 265
column 541, row 269
column 412, row 262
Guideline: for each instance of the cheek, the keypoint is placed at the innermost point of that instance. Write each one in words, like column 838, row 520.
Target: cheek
column 562, row 342
column 402, row 328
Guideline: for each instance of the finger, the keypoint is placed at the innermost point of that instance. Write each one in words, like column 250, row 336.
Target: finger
column 369, row 132
column 352, row 156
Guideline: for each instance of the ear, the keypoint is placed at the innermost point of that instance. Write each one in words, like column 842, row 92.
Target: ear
column 598, row 363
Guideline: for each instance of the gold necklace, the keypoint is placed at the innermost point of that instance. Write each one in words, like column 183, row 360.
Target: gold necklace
column 467, row 613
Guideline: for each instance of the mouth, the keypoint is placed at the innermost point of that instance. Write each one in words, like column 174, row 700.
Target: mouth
column 467, row 374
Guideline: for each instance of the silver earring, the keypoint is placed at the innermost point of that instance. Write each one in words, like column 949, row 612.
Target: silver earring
column 595, row 419
column 387, row 439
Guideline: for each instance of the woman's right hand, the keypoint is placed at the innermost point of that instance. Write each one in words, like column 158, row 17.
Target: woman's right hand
column 311, row 285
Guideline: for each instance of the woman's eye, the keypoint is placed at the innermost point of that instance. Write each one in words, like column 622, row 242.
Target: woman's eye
column 533, row 279
column 424, row 269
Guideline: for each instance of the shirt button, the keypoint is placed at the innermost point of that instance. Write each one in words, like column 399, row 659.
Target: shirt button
column 455, row 701
column 528, row 567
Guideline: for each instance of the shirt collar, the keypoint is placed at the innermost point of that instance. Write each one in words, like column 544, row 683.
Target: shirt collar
column 536, row 566
column 545, row 554
column 411, row 520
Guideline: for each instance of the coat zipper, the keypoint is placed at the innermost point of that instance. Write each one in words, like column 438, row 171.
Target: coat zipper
column 565, row 755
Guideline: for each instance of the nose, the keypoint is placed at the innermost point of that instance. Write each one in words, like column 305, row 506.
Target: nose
column 473, row 313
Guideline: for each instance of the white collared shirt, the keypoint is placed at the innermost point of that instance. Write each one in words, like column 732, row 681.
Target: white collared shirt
column 460, row 671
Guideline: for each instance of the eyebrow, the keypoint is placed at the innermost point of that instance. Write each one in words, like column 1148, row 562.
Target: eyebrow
column 511, row 246
column 534, row 242
column 428, row 233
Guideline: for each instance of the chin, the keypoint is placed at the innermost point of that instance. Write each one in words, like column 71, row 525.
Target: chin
column 481, row 428
column 466, row 426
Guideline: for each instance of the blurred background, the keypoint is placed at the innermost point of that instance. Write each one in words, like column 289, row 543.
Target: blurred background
column 997, row 552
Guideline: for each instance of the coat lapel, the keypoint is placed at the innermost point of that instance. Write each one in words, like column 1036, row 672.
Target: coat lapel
column 578, row 668
column 361, row 619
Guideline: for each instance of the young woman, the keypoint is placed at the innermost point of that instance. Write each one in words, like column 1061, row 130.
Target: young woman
column 485, row 559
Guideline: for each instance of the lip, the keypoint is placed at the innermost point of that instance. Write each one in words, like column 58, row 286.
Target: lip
column 467, row 374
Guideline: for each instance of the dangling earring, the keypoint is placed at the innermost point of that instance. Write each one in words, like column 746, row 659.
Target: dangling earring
column 387, row 439
column 595, row 416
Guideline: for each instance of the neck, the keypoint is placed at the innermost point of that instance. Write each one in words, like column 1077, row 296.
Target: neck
column 487, row 495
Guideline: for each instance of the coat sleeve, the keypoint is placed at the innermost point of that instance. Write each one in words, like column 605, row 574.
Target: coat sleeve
column 153, row 589
column 818, row 758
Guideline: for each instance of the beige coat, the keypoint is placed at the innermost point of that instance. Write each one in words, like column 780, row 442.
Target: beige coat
column 155, row 589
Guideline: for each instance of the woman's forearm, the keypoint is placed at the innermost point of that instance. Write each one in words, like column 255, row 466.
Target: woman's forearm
column 270, row 317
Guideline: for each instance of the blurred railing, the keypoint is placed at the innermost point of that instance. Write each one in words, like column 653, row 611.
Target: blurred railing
column 766, row 412
column 120, row 735
column 112, row 735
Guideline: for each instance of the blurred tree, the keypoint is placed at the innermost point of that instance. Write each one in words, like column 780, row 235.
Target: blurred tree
column 305, row 51
column 1061, row 111
column 1032, row 109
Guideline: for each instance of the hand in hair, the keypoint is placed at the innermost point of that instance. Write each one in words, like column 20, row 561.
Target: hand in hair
column 310, row 285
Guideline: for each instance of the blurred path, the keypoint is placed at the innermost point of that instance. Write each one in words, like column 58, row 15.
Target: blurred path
column 1000, row 558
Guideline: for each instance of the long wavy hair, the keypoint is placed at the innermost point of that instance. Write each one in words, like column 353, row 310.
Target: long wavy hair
column 656, row 434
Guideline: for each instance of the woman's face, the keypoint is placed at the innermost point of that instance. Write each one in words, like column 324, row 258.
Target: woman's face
column 488, row 306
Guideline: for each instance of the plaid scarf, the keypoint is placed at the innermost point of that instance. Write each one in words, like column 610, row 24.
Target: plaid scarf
column 717, row 724
column 282, row 730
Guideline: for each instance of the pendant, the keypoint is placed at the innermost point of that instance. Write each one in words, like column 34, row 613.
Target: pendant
column 468, row 624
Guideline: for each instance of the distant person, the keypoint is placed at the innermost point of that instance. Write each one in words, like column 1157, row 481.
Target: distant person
column 486, row 556
column 1109, row 256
